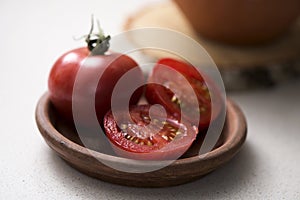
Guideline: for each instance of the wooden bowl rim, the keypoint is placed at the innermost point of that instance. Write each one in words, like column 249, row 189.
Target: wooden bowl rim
column 234, row 141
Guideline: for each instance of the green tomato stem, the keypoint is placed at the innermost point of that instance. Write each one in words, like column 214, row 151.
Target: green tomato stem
column 100, row 44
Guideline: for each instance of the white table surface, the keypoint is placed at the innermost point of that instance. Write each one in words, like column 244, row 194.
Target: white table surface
column 34, row 33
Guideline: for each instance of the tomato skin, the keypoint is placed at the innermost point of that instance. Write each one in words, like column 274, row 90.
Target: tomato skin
column 61, row 80
column 158, row 94
column 64, row 73
column 160, row 149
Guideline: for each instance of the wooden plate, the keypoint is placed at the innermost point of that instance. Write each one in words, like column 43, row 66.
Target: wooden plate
column 63, row 139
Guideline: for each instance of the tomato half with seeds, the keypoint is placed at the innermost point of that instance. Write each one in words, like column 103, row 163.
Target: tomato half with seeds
column 179, row 83
column 148, row 137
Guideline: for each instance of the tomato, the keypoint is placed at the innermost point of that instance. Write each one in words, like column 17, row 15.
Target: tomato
column 175, row 93
column 64, row 74
column 148, row 137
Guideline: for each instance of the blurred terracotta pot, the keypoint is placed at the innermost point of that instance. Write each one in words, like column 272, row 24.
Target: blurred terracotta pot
column 241, row 21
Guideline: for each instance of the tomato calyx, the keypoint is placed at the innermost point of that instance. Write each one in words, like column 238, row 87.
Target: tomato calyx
column 97, row 43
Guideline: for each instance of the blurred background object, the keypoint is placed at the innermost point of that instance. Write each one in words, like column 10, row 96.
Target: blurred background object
column 272, row 57
column 241, row 21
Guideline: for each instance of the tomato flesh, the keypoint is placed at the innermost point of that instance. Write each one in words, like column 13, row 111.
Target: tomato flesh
column 175, row 94
column 146, row 138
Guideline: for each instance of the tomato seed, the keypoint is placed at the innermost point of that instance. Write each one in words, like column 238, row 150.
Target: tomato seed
column 137, row 141
column 204, row 87
column 174, row 98
column 202, row 109
column 155, row 121
column 123, row 126
column 178, row 102
column 127, row 137
column 165, row 137
column 173, row 134
column 207, row 96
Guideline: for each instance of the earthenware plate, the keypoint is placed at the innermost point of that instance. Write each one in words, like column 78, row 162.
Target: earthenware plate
column 63, row 139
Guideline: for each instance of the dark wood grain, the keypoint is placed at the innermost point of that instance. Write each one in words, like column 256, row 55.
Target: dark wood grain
column 63, row 139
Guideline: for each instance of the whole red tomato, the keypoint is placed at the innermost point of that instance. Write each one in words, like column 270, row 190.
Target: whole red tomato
column 64, row 73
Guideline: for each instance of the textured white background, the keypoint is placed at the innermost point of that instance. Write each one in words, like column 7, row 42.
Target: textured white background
column 34, row 33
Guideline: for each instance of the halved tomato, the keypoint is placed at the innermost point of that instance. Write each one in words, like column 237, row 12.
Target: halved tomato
column 143, row 136
column 182, row 90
